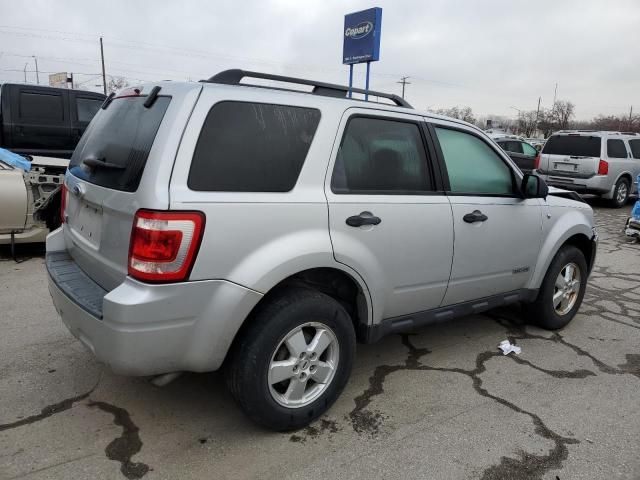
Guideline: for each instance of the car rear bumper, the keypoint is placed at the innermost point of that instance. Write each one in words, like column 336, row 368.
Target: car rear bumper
column 597, row 184
column 143, row 329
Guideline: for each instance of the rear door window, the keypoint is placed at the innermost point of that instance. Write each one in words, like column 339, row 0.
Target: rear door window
column 573, row 145
column 616, row 149
column 384, row 157
column 120, row 137
column 252, row 147
column 41, row 106
column 635, row 148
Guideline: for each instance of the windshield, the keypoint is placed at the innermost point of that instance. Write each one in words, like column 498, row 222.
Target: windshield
column 573, row 145
column 113, row 151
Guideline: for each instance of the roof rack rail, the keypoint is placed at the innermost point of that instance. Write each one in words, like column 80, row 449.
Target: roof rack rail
column 233, row 77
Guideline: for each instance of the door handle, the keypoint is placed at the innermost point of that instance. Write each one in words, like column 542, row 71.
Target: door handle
column 365, row 218
column 475, row 216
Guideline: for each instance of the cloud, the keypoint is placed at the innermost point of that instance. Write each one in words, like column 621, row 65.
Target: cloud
column 490, row 55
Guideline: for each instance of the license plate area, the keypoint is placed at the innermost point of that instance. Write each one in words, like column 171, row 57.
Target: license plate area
column 88, row 224
column 566, row 167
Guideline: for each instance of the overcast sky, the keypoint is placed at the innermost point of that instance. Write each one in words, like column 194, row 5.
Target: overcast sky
column 489, row 55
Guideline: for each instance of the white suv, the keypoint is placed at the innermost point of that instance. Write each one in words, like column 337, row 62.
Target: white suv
column 603, row 163
column 264, row 230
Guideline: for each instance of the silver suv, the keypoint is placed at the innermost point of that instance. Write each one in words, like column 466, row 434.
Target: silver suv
column 266, row 230
column 602, row 163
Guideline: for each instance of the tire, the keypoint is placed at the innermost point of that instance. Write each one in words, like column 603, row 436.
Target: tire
column 620, row 194
column 276, row 405
column 543, row 312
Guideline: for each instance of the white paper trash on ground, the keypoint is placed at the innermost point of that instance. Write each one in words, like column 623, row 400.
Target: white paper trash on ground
column 507, row 348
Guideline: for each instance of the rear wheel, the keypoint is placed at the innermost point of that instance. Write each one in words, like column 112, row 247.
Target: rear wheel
column 620, row 193
column 562, row 290
column 293, row 359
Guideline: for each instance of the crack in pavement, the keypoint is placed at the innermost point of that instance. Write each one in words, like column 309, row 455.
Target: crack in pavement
column 50, row 410
column 124, row 447
column 518, row 331
column 46, row 412
column 527, row 465
column 120, row 449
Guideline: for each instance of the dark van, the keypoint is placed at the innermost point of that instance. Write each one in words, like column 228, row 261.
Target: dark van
column 39, row 120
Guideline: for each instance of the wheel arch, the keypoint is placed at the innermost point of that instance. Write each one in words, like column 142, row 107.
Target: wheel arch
column 624, row 174
column 579, row 235
column 336, row 281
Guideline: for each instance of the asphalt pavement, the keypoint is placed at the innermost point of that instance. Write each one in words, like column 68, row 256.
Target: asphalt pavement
column 441, row 403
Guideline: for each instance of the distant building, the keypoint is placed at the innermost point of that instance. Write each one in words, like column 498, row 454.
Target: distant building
column 61, row 80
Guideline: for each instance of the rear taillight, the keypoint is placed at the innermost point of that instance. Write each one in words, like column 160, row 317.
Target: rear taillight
column 64, row 195
column 164, row 245
column 603, row 168
column 536, row 162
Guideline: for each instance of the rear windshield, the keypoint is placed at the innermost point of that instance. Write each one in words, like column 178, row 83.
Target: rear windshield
column 120, row 137
column 577, row 146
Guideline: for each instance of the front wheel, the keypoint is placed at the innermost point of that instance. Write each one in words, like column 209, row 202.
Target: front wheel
column 293, row 359
column 562, row 290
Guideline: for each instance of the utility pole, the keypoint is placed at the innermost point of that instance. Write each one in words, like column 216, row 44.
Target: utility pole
column 535, row 127
column 403, row 81
column 37, row 74
column 104, row 76
column 555, row 94
column 25, row 72
column 630, row 113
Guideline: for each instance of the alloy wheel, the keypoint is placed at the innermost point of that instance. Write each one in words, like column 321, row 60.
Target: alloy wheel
column 303, row 365
column 566, row 289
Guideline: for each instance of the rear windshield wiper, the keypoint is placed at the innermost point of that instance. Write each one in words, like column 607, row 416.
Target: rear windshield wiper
column 101, row 163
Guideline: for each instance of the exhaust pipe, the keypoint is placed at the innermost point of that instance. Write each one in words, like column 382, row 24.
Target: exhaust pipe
column 164, row 379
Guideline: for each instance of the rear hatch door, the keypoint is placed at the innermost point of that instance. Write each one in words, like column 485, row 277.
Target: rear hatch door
column 122, row 163
column 571, row 155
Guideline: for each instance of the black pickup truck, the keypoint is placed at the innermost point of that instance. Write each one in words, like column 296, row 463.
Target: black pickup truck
column 46, row 121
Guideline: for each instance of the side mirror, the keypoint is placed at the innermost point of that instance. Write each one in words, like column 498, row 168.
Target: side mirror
column 533, row 187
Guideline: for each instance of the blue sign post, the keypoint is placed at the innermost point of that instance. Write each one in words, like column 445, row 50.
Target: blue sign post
column 361, row 41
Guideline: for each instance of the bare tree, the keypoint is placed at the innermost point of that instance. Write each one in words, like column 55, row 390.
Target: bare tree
column 562, row 113
column 116, row 83
column 527, row 123
column 615, row 122
column 461, row 113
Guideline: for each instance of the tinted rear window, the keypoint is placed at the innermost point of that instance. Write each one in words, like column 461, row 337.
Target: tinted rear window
column 616, row 149
column 635, row 148
column 120, row 135
column 578, row 146
column 47, row 106
column 252, row 147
